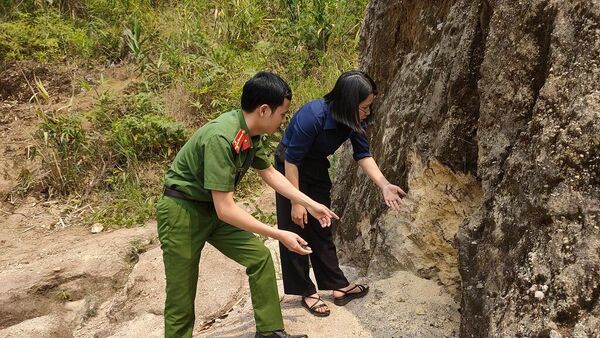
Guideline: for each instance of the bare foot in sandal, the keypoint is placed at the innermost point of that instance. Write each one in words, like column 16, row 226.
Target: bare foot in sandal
column 315, row 305
column 344, row 295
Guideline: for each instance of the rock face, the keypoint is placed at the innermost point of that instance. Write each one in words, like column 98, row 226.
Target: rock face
column 488, row 113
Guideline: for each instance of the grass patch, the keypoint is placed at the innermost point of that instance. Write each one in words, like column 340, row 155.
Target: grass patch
column 63, row 296
column 130, row 204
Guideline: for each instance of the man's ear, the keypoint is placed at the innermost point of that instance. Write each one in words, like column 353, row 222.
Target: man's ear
column 264, row 110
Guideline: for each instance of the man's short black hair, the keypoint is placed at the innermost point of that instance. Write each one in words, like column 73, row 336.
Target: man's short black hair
column 265, row 88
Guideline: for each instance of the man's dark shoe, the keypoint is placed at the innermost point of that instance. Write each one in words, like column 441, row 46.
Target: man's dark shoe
column 281, row 334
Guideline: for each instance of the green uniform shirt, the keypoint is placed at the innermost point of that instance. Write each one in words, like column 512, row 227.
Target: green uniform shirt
column 208, row 161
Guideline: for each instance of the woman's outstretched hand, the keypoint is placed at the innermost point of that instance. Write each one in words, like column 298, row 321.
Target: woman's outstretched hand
column 393, row 195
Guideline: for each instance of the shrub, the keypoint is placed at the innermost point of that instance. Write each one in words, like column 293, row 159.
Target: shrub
column 149, row 137
column 142, row 103
column 120, row 133
column 43, row 37
column 127, row 205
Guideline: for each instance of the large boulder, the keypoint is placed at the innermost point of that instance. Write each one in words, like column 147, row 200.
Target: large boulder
column 64, row 274
column 72, row 283
column 488, row 115
column 137, row 309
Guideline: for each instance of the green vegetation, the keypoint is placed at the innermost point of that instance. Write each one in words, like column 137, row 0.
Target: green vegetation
column 114, row 154
column 63, row 296
column 65, row 148
column 136, row 247
column 125, row 142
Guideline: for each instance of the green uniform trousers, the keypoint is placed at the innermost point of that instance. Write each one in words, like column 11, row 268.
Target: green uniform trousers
column 183, row 228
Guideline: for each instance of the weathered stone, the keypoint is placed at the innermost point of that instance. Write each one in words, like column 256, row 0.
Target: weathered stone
column 539, row 295
column 96, row 228
column 488, row 112
column 425, row 140
column 45, row 326
column 138, row 306
column 402, row 305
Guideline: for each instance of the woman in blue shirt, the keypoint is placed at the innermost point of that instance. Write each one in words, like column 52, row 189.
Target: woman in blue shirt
column 316, row 131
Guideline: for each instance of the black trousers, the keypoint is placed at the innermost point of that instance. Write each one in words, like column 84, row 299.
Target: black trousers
column 314, row 182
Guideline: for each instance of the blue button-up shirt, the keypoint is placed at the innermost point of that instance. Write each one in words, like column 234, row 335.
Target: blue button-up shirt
column 313, row 133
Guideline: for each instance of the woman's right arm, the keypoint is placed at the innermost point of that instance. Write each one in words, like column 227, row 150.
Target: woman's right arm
column 299, row 214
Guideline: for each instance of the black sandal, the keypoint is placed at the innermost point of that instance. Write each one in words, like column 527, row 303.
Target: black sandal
column 348, row 296
column 313, row 309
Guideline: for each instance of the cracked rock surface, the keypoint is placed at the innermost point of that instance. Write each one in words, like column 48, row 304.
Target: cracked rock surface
column 488, row 113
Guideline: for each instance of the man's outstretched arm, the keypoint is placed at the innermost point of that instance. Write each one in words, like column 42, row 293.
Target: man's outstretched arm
column 229, row 212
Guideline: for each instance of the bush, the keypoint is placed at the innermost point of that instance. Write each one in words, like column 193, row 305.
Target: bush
column 142, row 103
column 42, row 37
column 119, row 133
column 109, row 109
column 147, row 137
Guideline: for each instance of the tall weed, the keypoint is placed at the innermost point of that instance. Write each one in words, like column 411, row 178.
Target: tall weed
column 63, row 145
column 147, row 137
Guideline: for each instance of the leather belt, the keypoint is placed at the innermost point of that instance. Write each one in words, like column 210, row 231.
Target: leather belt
column 178, row 194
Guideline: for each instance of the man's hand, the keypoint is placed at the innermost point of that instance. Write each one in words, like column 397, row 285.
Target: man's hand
column 299, row 215
column 294, row 242
column 322, row 214
column 393, row 195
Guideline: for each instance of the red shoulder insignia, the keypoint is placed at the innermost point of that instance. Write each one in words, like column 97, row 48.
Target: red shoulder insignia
column 246, row 143
column 237, row 141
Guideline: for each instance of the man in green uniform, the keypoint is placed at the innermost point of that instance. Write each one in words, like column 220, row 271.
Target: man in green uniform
column 197, row 206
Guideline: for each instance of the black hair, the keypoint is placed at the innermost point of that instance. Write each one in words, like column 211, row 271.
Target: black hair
column 265, row 88
column 350, row 89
